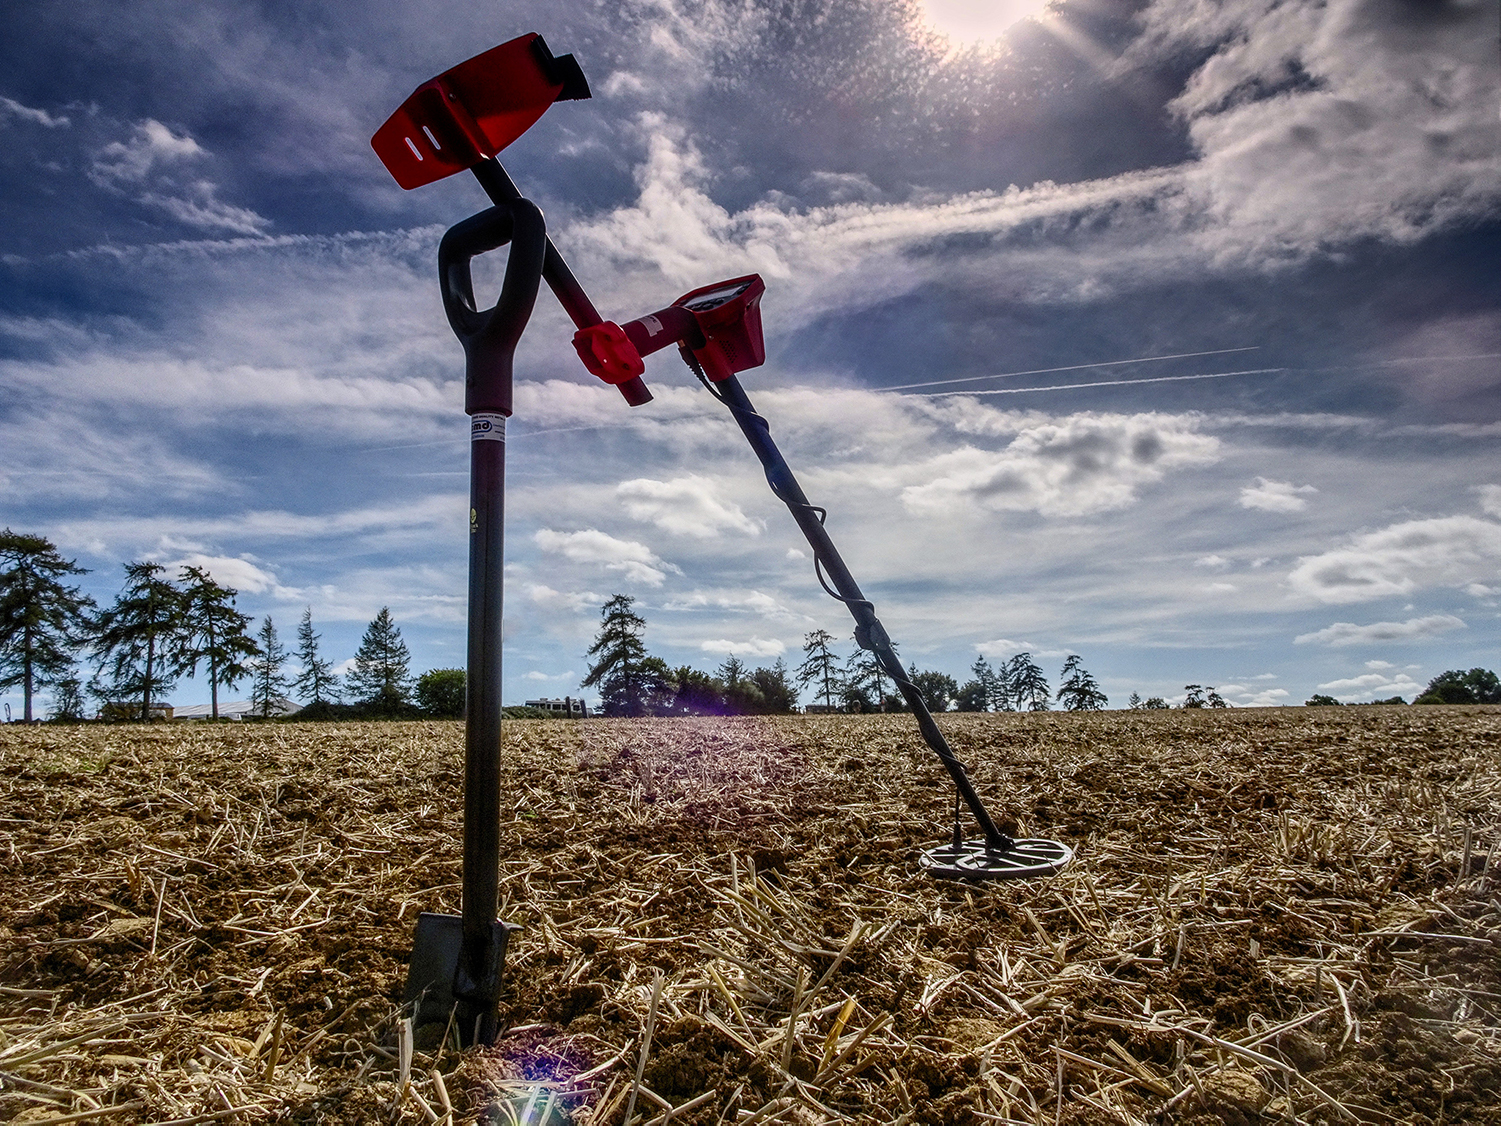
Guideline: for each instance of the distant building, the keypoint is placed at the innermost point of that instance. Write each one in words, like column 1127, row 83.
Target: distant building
column 235, row 709
column 822, row 709
column 566, row 706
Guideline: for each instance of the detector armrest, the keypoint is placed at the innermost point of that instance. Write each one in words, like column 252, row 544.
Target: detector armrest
column 474, row 110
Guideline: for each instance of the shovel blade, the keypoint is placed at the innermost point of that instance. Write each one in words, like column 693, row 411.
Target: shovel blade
column 434, row 989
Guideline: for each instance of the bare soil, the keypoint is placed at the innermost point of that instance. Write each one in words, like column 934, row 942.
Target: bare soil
column 1274, row 915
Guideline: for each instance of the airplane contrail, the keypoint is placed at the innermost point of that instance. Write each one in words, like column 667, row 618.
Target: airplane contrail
column 1070, row 367
column 1101, row 383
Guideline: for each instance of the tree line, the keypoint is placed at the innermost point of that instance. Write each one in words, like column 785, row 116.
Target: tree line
column 631, row 682
column 1195, row 696
column 161, row 628
column 1455, row 686
column 857, row 683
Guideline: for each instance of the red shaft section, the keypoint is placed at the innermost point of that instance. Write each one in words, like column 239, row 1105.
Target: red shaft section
column 662, row 329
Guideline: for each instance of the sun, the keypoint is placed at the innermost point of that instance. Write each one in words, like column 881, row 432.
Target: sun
column 974, row 21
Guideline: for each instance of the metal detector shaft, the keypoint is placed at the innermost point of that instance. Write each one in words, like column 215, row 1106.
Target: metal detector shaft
column 501, row 189
column 869, row 632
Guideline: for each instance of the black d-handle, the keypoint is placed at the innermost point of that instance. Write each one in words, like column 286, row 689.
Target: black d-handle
column 490, row 336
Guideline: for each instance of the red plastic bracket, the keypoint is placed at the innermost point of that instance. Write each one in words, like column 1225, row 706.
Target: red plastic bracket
column 608, row 353
column 474, row 110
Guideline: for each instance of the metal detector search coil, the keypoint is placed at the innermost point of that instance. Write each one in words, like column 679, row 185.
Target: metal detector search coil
column 980, row 860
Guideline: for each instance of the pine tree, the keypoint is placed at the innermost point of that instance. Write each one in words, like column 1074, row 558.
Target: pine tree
column 629, row 681
column 267, row 684
column 1026, row 684
column 997, row 697
column 137, row 636
column 1079, row 692
column 381, row 673
column 986, row 692
column 316, row 682
column 731, row 672
column 213, row 632
column 777, row 695
column 42, row 621
column 865, row 679
column 67, row 698
column 820, row 668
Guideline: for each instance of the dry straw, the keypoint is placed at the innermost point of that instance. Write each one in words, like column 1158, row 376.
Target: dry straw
column 1273, row 913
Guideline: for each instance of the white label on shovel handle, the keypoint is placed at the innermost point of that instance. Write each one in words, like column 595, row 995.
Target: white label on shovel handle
column 487, row 427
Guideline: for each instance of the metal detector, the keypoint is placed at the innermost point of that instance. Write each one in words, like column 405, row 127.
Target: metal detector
column 461, row 120
column 717, row 329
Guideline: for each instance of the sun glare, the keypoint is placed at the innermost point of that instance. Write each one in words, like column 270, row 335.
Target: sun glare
column 974, row 21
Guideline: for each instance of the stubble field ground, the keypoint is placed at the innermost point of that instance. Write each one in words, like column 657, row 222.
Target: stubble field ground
column 1274, row 915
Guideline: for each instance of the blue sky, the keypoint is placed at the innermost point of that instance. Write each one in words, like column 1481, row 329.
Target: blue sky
column 221, row 341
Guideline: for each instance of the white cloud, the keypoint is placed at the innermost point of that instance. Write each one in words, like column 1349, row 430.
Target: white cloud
column 1371, row 685
column 148, row 166
column 1490, row 499
column 571, row 601
column 1242, row 697
column 753, row 647
column 1212, row 562
column 1275, row 496
column 1220, row 588
column 1342, row 634
column 13, row 108
column 1315, row 126
column 198, row 205
column 151, row 145
column 1004, row 647
column 747, row 602
column 1451, row 551
column 1075, row 466
column 536, row 674
column 1379, row 665
column 236, row 573
column 687, row 506
column 411, row 521
column 1389, row 134
column 635, row 560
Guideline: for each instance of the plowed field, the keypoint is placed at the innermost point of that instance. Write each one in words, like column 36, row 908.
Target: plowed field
column 1274, row 915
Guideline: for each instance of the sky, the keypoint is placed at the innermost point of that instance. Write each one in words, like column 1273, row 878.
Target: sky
column 1166, row 333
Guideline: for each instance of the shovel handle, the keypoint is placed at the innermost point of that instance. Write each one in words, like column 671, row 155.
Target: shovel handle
column 502, row 189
